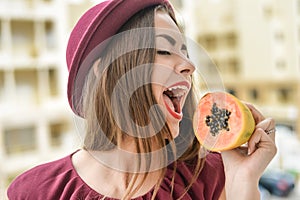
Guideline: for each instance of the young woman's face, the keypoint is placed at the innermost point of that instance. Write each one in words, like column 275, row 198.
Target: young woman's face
column 171, row 78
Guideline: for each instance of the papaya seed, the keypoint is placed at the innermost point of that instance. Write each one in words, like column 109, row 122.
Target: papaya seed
column 218, row 120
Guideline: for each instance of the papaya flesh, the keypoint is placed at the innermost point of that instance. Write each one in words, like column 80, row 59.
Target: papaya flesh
column 222, row 122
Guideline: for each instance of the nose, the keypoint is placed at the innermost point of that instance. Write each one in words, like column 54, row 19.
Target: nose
column 184, row 66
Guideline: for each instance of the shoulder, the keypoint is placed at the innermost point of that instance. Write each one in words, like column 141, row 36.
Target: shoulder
column 38, row 179
column 46, row 181
column 213, row 172
column 207, row 185
column 213, row 161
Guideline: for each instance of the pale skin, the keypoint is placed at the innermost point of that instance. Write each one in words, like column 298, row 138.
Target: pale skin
column 172, row 67
column 248, row 167
column 244, row 166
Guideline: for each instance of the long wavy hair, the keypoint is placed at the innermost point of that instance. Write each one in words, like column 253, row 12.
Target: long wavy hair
column 107, row 128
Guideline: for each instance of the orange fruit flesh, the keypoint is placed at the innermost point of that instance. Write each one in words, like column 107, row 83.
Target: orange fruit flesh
column 240, row 123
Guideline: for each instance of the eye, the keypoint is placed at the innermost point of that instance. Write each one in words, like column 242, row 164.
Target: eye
column 163, row 52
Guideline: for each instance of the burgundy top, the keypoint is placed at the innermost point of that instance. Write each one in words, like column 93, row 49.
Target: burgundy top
column 58, row 180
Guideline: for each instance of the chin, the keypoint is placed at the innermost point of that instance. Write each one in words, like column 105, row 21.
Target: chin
column 173, row 125
column 175, row 135
column 174, row 130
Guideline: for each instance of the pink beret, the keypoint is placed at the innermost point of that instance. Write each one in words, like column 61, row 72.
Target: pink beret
column 95, row 26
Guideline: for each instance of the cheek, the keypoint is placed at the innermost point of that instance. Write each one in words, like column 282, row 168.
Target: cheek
column 156, row 91
column 157, row 77
column 158, row 80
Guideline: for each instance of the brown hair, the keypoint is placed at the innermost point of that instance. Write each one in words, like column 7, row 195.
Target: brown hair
column 106, row 126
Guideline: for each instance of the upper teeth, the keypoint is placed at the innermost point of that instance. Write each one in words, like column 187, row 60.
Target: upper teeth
column 178, row 90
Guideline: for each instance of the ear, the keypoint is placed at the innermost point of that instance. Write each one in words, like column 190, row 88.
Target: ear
column 95, row 67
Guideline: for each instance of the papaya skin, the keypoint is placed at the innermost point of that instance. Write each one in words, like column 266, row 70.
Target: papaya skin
column 241, row 122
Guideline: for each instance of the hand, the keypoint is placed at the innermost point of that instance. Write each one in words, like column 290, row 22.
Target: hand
column 244, row 165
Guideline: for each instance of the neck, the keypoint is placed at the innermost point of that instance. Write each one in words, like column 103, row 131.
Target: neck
column 130, row 162
column 116, row 181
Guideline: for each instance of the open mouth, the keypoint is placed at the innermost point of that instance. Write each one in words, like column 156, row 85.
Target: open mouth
column 173, row 99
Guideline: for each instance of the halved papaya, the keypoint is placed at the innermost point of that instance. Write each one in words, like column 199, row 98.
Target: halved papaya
column 222, row 122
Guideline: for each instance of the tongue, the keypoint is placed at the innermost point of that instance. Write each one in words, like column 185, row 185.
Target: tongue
column 169, row 102
column 176, row 104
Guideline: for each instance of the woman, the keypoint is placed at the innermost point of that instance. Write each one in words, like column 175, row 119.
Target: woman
column 135, row 91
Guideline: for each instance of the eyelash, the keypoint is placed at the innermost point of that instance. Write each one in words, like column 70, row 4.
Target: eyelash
column 167, row 53
column 163, row 52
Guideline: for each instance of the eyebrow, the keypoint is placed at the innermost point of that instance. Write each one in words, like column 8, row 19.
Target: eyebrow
column 171, row 40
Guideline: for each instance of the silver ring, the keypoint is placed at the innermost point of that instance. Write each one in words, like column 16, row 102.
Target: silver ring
column 273, row 130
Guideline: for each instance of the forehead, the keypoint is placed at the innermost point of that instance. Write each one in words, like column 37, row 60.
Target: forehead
column 164, row 23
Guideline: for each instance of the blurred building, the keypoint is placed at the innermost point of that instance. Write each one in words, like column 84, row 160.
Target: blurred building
column 255, row 44
column 36, row 124
column 256, row 47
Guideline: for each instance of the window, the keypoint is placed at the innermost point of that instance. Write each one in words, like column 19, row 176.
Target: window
column 267, row 10
column 19, row 140
column 26, row 86
column 285, row 95
column 53, row 78
column 254, row 95
column 208, row 41
column 231, row 40
column 1, row 85
column 57, row 131
column 23, row 37
column 231, row 91
column 233, row 66
column 50, row 35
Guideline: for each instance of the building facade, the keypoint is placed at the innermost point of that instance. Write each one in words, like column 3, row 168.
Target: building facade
column 255, row 47
column 36, row 124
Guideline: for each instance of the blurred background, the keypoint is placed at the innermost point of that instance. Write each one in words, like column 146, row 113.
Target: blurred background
column 255, row 45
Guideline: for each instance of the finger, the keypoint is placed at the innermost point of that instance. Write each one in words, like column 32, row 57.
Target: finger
column 254, row 140
column 257, row 115
column 262, row 149
column 260, row 139
column 268, row 125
